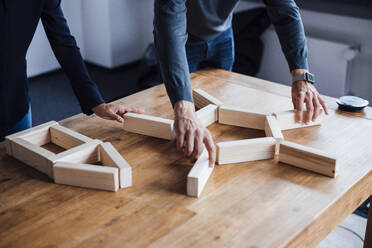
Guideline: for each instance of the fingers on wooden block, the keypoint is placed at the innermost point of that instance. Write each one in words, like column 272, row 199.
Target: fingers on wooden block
column 241, row 117
column 198, row 176
column 87, row 176
column 308, row 158
column 32, row 155
column 111, row 157
column 148, row 125
column 286, row 120
column 245, row 150
column 66, row 138
column 208, row 115
column 202, row 99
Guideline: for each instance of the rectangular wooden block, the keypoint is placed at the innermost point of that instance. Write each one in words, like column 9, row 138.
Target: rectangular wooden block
column 208, row 115
column 202, row 99
column 198, row 176
column 111, row 157
column 272, row 129
column 32, row 155
column 87, row 153
column 308, row 158
column 245, row 150
column 148, row 125
column 38, row 135
column 241, row 117
column 286, row 120
column 67, row 138
column 87, row 176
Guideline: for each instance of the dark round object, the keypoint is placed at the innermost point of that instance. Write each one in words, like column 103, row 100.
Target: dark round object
column 352, row 103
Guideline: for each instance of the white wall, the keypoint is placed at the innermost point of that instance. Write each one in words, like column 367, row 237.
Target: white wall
column 40, row 58
column 116, row 32
column 345, row 30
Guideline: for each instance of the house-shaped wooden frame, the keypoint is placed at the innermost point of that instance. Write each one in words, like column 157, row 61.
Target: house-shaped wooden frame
column 74, row 166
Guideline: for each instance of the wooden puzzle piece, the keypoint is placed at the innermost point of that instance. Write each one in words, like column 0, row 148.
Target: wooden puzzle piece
column 272, row 129
column 87, row 176
column 32, row 155
column 202, row 99
column 198, row 176
column 110, row 157
column 245, row 150
column 241, row 117
column 148, row 125
column 286, row 120
column 208, row 115
column 26, row 145
column 308, row 158
column 66, row 138
column 87, row 153
column 38, row 135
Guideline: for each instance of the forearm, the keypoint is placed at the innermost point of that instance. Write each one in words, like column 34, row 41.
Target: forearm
column 170, row 38
column 83, row 86
column 68, row 54
column 285, row 16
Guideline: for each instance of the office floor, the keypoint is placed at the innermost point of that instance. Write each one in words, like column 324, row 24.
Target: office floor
column 52, row 98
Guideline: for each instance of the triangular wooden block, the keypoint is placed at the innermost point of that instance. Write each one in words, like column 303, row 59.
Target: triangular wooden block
column 77, row 169
column 111, row 157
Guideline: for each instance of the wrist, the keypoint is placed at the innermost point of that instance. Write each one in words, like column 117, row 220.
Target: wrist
column 298, row 72
column 98, row 107
column 184, row 109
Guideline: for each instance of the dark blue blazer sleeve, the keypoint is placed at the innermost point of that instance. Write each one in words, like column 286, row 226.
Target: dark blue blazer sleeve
column 170, row 37
column 68, row 55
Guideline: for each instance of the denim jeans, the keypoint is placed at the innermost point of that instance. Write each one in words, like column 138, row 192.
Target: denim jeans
column 216, row 53
column 24, row 123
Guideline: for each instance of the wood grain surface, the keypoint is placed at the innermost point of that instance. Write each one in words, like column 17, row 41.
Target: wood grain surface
column 251, row 204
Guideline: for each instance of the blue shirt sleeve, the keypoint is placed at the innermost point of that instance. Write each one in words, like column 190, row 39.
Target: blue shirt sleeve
column 68, row 55
column 170, row 36
column 285, row 16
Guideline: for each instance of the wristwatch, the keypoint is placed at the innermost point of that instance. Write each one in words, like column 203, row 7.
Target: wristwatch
column 307, row 76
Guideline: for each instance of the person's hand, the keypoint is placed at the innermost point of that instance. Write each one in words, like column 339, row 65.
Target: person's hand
column 191, row 135
column 305, row 94
column 112, row 111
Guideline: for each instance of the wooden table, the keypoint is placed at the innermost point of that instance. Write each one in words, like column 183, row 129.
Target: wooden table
column 253, row 204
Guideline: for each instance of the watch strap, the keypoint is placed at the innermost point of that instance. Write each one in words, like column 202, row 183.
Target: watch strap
column 308, row 77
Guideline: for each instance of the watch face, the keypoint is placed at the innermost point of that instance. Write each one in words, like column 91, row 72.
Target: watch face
column 310, row 77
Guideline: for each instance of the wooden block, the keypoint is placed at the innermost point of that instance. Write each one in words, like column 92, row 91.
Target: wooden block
column 111, row 157
column 38, row 135
column 272, row 129
column 198, row 176
column 87, row 176
column 241, row 117
column 308, row 158
column 245, row 150
column 32, row 130
column 286, row 120
column 87, row 153
column 32, row 155
column 67, row 138
column 202, row 99
column 208, row 115
column 148, row 125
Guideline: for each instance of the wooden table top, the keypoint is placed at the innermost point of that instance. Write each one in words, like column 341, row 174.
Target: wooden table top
column 252, row 204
